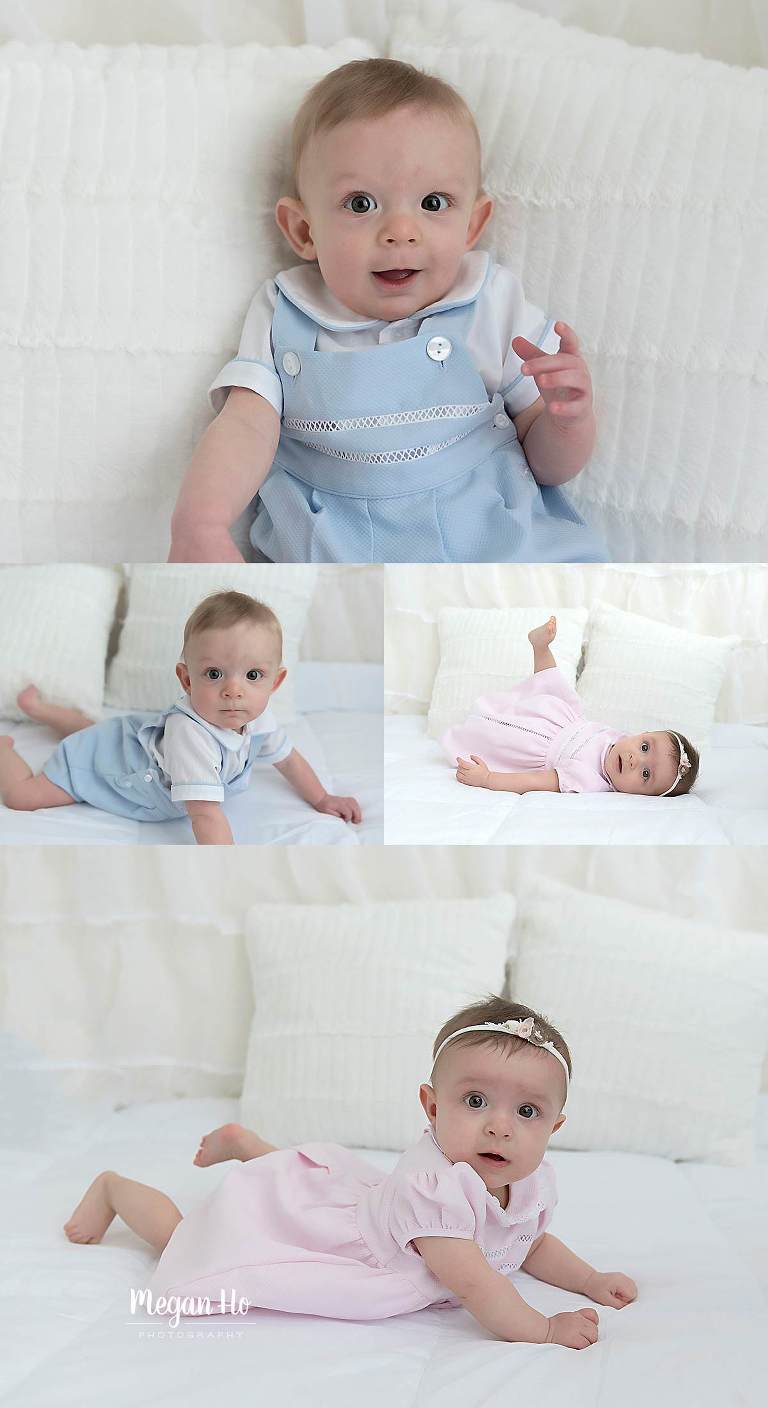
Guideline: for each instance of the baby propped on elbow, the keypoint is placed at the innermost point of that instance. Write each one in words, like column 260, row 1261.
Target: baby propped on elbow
column 186, row 759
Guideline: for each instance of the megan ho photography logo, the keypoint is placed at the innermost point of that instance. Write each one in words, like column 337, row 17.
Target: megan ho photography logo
column 173, row 1307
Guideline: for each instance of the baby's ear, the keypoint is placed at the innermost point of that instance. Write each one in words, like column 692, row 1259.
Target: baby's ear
column 182, row 674
column 427, row 1098
column 558, row 1124
column 279, row 677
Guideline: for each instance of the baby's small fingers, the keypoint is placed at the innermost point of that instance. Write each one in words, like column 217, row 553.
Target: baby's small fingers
column 591, row 1314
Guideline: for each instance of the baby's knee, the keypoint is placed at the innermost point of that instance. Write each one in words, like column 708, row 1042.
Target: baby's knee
column 19, row 798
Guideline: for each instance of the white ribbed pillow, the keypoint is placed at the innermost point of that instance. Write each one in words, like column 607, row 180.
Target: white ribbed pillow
column 54, row 630
column 643, row 674
column 486, row 649
column 348, row 1001
column 666, row 1020
column 161, row 598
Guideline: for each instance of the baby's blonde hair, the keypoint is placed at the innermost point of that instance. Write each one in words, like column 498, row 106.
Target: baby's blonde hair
column 223, row 609
column 370, row 88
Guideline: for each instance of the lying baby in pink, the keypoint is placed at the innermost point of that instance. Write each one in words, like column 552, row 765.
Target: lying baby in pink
column 534, row 738
column 316, row 1230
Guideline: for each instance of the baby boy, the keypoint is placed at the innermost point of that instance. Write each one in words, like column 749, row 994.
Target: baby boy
column 190, row 757
column 395, row 397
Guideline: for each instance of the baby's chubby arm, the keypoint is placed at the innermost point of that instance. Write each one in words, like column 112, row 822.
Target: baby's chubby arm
column 474, row 772
column 558, row 442
column 550, row 1260
column 228, row 467
column 460, row 1266
column 209, row 824
column 296, row 770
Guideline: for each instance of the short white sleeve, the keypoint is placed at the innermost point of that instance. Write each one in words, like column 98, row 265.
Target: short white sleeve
column 517, row 317
column 274, row 747
column 192, row 760
column 254, row 365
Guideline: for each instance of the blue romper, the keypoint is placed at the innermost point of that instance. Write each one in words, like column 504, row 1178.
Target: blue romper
column 394, row 453
column 113, row 765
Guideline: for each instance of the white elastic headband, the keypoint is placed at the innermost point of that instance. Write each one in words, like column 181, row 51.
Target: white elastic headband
column 525, row 1028
column 683, row 766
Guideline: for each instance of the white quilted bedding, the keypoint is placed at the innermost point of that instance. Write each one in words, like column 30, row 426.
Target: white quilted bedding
column 424, row 804
column 687, row 1233
column 344, row 745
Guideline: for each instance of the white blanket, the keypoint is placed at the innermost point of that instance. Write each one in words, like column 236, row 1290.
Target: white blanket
column 694, row 1337
column 425, row 805
column 343, row 745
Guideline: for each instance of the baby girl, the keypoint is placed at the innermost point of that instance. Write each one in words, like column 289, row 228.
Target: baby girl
column 318, row 1231
column 395, row 398
column 535, row 739
column 189, row 758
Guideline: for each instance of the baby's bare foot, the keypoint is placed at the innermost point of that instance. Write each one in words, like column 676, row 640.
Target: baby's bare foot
column 93, row 1213
column 544, row 635
column 29, row 700
column 218, row 1146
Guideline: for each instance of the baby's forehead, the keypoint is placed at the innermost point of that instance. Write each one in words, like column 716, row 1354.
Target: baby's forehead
column 243, row 635
column 502, row 1065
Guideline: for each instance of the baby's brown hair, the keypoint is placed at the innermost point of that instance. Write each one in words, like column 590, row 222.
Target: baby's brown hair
column 224, row 609
column 498, row 1009
column 689, row 776
column 370, row 88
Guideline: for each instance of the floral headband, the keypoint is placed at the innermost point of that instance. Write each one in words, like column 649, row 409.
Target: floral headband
column 683, row 766
column 524, row 1027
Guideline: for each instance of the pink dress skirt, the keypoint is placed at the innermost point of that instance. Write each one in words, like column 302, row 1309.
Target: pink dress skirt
column 318, row 1231
column 538, row 724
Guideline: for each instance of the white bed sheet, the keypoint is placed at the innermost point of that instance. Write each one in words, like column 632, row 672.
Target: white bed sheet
column 695, row 1335
column 425, row 805
column 343, row 744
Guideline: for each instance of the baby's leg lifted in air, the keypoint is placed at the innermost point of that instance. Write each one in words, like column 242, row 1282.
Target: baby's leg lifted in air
column 231, row 1141
column 541, row 637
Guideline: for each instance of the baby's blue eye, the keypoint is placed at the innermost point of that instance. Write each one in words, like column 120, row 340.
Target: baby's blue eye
column 360, row 195
column 527, row 1112
column 213, row 673
column 644, row 747
column 475, row 1096
column 646, row 774
column 254, row 675
column 435, row 195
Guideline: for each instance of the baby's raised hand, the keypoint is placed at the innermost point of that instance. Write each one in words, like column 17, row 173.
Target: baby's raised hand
column 611, row 1288
column 576, row 1329
column 562, row 378
column 348, row 808
column 472, row 771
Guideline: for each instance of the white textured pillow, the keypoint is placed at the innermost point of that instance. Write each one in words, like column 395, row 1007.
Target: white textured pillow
column 348, row 1001
column 161, row 597
column 642, row 674
column 619, row 176
column 54, row 630
column 666, row 1020
column 484, row 650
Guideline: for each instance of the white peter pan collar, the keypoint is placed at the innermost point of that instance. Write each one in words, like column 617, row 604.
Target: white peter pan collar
column 231, row 738
column 305, row 287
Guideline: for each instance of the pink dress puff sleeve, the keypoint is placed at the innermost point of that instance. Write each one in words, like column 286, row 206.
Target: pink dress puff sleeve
column 449, row 1202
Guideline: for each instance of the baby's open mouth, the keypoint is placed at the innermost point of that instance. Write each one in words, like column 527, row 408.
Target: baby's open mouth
column 495, row 1158
column 395, row 276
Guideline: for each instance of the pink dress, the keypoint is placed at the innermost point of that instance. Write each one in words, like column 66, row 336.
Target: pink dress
column 318, row 1231
column 538, row 724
